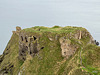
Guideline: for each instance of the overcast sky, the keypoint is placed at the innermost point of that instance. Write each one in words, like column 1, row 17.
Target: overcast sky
column 30, row 13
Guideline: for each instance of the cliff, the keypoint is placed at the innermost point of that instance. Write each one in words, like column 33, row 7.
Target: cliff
column 51, row 51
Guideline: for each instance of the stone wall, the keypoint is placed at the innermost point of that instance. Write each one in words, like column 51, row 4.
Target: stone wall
column 28, row 44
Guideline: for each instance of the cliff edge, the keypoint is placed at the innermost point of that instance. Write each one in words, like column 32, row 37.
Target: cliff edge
column 51, row 51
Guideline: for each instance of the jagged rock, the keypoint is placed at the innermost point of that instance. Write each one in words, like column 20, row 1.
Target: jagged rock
column 78, row 34
column 50, row 39
column 14, row 32
column 18, row 28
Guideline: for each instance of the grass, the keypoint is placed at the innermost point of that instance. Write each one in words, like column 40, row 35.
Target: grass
column 55, row 29
column 91, row 59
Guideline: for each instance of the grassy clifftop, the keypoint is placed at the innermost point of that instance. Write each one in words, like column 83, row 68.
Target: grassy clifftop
column 51, row 51
column 53, row 29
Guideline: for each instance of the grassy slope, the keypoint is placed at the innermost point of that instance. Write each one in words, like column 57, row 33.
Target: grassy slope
column 12, row 56
column 49, row 60
column 91, row 59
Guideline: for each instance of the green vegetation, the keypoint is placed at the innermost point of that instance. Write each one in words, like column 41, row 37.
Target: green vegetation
column 55, row 29
column 49, row 61
column 91, row 59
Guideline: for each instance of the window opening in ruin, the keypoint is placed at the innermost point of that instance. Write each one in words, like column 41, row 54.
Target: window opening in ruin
column 21, row 38
column 30, row 52
column 64, row 53
column 26, row 39
column 34, row 37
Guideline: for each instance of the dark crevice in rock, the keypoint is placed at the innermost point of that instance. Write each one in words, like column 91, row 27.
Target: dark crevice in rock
column 34, row 37
column 21, row 54
column 24, row 58
column 65, row 53
column 22, row 38
column 42, row 47
column 7, row 68
column 12, row 66
column 23, row 51
column 30, row 52
column 6, row 72
column 26, row 39
column 8, row 48
column 1, row 58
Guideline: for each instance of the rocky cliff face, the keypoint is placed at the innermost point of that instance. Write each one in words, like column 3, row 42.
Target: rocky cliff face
column 48, row 45
column 29, row 43
column 69, row 48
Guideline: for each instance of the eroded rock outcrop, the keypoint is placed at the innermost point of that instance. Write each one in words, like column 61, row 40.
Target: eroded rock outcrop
column 67, row 46
column 68, row 49
column 18, row 29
